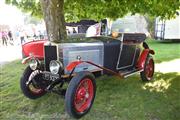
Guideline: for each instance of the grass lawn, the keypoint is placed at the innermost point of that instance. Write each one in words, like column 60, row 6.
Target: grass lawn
column 164, row 51
column 129, row 99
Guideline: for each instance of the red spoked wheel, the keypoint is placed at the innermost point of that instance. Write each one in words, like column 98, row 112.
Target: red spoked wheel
column 80, row 94
column 148, row 72
column 149, row 69
column 83, row 95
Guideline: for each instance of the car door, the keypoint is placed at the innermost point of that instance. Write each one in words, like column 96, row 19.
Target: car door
column 128, row 54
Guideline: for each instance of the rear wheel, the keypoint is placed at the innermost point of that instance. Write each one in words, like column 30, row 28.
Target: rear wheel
column 80, row 94
column 32, row 90
column 148, row 72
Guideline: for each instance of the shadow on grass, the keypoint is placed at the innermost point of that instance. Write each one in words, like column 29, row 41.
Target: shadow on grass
column 129, row 99
column 167, row 87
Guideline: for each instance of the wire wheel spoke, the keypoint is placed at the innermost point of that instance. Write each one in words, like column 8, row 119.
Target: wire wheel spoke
column 84, row 94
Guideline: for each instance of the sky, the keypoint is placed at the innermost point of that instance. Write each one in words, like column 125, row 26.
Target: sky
column 10, row 15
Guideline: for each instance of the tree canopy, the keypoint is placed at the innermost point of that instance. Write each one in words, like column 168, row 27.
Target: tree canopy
column 56, row 12
column 75, row 10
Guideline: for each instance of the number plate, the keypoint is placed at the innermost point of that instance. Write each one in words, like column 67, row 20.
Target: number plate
column 50, row 76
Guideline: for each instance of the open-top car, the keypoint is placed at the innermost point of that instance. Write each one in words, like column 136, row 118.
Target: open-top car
column 79, row 61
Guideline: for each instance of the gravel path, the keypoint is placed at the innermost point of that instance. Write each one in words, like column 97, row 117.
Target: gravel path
column 170, row 66
column 9, row 53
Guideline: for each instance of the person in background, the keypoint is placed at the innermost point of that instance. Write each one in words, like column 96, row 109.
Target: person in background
column 35, row 36
column 10, row 37
column 74, row 31
column 4, row 38
column 40, row 35
column 17, row 37
column 67, row 30
column 22, row 37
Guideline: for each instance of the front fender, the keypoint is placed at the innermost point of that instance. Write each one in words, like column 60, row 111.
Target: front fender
column 72, row 65
column 27, row 59
column 142, row 58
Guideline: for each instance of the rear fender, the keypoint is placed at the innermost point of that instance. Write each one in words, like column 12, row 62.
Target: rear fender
column 142, row 58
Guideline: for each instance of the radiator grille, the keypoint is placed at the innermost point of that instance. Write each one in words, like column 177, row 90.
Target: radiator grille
column 50, row 53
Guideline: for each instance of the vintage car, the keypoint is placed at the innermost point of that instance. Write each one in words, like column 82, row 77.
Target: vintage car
column 78, row 62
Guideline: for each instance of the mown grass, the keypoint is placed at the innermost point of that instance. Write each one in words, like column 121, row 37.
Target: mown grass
column 116, row 99
column 129, row 99
column 164, row 51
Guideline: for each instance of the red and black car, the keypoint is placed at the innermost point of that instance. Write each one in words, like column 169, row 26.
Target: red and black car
column 78, row 62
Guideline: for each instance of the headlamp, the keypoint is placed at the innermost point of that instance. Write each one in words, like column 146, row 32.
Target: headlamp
column 55, row 67
column 33, row 64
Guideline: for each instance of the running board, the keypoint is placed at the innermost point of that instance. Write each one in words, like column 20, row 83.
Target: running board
column 127, row 74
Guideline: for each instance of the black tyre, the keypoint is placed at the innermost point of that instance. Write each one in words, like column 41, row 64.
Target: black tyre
column 31, row 91
column 80, row 94
column 148, row 72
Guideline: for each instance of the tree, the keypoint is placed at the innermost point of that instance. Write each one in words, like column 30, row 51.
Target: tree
column 151, row 24
column 56, row 12
column 54, row 19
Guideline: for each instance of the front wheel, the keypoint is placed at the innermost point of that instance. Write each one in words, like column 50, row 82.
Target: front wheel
column 80, row 94
column 31, row 90
column 148, row 72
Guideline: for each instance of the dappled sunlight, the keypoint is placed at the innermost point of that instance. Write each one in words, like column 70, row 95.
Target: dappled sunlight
column 158, row 86
column 162, row 82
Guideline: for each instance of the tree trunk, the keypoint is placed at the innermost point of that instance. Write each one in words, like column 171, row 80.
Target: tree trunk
column 54, row 18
